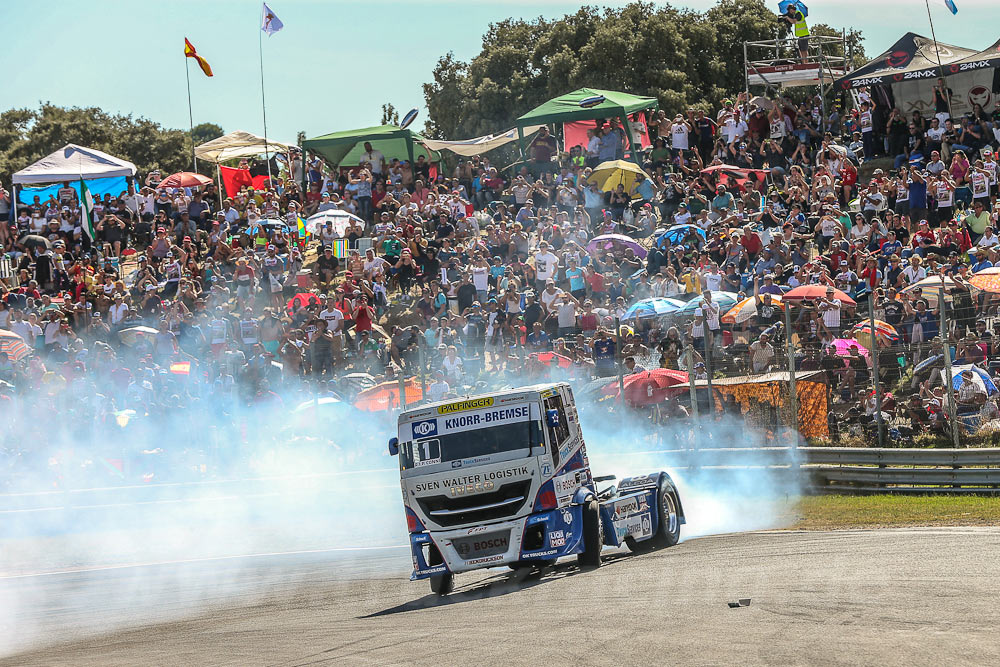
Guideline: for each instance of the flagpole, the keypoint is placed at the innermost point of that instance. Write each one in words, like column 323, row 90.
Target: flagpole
column 263, row 105
column 187, row 75
column 937, row 52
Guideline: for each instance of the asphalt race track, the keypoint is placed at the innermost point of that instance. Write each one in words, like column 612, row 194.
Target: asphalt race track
column 885, row 597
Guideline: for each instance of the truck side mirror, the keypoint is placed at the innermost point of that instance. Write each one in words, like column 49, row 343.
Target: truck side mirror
column 552, row 418
column 393, row 446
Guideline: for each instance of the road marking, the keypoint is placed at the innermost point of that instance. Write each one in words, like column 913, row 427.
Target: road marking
column 101, row 568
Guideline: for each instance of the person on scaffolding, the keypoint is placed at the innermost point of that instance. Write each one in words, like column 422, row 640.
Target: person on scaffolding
column 795, row 14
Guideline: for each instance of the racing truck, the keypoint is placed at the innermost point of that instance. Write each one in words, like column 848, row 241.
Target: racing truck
column 503, row 480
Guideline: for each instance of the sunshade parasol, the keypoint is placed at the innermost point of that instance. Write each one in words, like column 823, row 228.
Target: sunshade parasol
column 340, row 221
column 648, row 387
column 653, row 307
column 677, row 233
column 609, row 175
column 811, row 292
column 979, row 376
column 132, row 335
column 184, row 179
column 987, row 280
column 843, row 347
column 385, row 396
column 13, row 345
column 747, row 309
column 726, row 300
column 608, row 241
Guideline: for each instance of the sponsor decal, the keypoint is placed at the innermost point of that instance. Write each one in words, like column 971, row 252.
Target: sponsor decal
column 486, row 559
column 898, row 59
column 434, row 570
column 428, row 462
column 469, row 489
column 980, row 95
column 546, row 469
column 623, row 508
column 425, row 428
column 462, row 406
column 471, row 483
column 456, row 464
column 476, row 529
column 567, row 517
column 557, row 538
column 485, row 418
column 566, row 485
column 538, row 554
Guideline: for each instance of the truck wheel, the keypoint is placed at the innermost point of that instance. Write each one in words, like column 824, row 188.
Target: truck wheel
column 441, row 584
column 669, row 531
column 593, row 536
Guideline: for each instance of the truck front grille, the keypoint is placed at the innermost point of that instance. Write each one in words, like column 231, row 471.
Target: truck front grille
column 503, row 502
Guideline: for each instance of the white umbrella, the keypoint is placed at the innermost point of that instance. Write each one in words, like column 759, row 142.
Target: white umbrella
column 341, row 221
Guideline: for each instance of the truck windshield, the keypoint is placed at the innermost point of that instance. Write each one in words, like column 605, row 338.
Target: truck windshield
column 471, row 444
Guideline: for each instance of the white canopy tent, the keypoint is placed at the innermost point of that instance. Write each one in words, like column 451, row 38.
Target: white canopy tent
column 238, row 144
column 71, row 163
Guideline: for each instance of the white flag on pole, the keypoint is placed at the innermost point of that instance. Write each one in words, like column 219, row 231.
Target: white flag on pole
column 270, row 23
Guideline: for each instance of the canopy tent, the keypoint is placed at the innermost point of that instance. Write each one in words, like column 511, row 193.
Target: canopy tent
column 238, row 144
column 567, row 108
column 909, row 69
column 72, row 163
column 479, row 145
column 346, row 147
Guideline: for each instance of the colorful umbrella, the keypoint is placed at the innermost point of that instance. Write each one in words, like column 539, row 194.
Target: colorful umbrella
column 385, row 396
column 132, row 335
column 648, row 387
column 885, row 333
column 677, row 233
column 987, row 280
column 184, row 179
column 979, row 376
column 13, row 345
column 843, row 347
column 810, row 292
column 930, row 287
column 726, row 300
column 608, row 241
column 654, row 307
column 609, row 175
column 747, row 309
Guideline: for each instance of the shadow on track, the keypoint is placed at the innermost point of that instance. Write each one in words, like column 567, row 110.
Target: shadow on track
column 501, row 584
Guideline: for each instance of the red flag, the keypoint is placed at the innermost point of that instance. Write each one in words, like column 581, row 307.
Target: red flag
column 190, row 52
column 233, row 179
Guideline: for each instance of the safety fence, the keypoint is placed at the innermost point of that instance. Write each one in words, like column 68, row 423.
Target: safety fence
column 853, row 470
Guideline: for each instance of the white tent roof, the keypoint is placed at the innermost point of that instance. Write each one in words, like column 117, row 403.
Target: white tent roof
column 72, row 162
column 237, row 144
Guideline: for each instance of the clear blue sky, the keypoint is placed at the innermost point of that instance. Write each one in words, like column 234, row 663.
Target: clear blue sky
column 335, row 62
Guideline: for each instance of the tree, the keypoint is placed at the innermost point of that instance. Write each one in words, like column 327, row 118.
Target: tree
column 681, row 57
column 26, row 135
column 206, row 132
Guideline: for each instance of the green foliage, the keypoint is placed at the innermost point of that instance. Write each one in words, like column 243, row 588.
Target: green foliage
column 27, row 135
column 389, row 115
column 681, row 57
column 204, row 132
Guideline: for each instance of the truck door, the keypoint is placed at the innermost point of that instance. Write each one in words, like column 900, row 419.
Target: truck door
column 558, row 428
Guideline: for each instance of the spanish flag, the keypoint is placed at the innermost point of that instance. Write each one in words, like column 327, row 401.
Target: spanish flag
column 190, row 52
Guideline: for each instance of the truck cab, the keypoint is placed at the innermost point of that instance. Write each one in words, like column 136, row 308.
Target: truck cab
column 504, row 479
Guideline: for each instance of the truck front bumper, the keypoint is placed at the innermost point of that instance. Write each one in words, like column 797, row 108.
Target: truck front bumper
column 538, row 537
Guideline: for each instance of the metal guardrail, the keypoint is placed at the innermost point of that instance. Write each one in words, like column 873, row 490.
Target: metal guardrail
column 854, row 470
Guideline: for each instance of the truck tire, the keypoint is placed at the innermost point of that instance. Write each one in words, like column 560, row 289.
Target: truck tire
column 441, row 584
column 593, row 536
column 668, row 532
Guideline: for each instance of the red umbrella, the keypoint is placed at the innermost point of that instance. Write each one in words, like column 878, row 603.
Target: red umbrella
column 184, row 179
column 385, row 396
column 648, row 387
column 810, row 292
column 549, row 358
column 13, row 345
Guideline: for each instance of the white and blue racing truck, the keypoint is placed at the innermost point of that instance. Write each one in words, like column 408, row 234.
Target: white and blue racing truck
column 504, row 479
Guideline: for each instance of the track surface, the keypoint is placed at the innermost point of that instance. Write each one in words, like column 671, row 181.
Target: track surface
column 887, row 597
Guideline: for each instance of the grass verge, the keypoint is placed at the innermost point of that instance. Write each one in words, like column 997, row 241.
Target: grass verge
column 890, row 511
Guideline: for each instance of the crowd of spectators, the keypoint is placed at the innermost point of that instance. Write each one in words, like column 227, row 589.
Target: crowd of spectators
column 469, row 275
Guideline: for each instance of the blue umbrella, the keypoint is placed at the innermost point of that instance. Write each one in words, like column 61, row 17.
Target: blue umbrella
column 979, row 376
column 676, row 233
column 654, row 307
column 785, row 4
column 726, row 300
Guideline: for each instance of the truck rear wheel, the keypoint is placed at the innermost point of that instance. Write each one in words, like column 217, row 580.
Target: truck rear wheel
column 669, row 531
column 593, row 536
column 441, row 584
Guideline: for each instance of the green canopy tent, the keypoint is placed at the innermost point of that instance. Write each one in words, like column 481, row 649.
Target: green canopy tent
column 346, row 147
column 566, row 108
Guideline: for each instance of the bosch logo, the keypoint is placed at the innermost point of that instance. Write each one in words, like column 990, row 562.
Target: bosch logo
column 425, row 428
